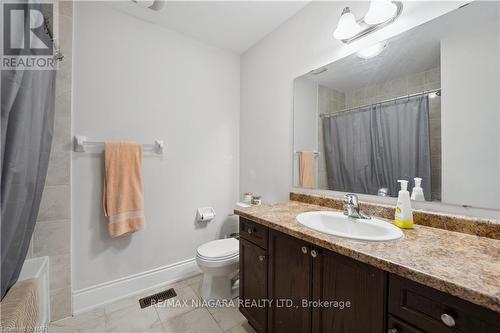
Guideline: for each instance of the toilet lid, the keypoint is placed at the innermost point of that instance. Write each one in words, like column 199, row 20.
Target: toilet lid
column 219, row 249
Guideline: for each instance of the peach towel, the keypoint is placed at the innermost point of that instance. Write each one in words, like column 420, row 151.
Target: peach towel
column 306, row 169
column 123, row 200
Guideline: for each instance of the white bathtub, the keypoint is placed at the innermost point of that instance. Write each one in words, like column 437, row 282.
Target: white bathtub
column 38, row 268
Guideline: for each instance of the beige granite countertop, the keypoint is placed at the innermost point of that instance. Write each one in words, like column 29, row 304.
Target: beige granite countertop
column 460, row 264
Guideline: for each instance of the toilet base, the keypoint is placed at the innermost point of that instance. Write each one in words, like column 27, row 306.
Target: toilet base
column 217, row 288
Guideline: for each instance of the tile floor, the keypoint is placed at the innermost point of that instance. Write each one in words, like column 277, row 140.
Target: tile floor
column 126, row 315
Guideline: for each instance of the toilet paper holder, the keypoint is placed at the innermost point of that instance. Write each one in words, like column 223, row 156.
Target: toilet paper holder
column 205, row 214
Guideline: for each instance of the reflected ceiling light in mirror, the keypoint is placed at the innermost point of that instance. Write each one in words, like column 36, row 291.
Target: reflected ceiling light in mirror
column 380, row 14
column 347, row 27
column 380, row 11
column 372, row 51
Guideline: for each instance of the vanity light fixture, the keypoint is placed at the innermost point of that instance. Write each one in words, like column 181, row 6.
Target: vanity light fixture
column 372, row 50
column 380, row 11
column 347, row 26
column 380, row 14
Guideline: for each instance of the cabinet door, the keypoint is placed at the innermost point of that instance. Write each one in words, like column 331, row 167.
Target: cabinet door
column 290, row 280
column 253, row 284
column 340, row 279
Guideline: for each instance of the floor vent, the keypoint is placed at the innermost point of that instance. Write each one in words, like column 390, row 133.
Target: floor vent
column 156, row 298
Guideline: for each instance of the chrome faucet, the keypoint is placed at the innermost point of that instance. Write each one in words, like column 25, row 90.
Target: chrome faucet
column 351, row 207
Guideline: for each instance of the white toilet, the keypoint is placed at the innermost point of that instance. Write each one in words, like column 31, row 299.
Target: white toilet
column 219, row 261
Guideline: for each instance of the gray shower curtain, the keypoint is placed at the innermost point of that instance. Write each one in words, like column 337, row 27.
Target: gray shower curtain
column 373, row 147
column 27, row 109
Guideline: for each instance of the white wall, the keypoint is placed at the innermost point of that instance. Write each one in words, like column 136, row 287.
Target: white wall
column 302, row 43
column 305, row 105
column 470, row 76
column 139, row 82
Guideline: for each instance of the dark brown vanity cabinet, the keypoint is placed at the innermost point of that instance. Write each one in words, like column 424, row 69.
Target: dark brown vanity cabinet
column 314, row 290
column 327, row 292
column 292, row 274
column 253, row 274
column 349, row 282
column 423, row 309
column 290, row 281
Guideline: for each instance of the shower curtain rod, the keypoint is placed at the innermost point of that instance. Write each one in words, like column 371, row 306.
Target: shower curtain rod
column 427, row 92
column 59, row 56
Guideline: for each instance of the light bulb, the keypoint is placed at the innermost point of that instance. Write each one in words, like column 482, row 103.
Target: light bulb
column 347, row 27
column 380, row 11
column 372, row 51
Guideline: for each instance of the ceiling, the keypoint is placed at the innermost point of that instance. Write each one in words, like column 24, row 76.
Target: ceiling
column 231, row 25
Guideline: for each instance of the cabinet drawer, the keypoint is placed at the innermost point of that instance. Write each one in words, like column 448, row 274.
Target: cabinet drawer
column 254, row 232
column 395, row 325
column 433, row 311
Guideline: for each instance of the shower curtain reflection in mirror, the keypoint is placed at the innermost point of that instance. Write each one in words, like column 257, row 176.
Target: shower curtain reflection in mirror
column 370, row 148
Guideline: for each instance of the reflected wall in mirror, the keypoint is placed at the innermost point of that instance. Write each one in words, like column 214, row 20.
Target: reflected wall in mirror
column 423, row 104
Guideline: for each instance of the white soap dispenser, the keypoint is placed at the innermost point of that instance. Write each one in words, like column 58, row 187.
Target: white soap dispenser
column 404, row 215
column 417, row 194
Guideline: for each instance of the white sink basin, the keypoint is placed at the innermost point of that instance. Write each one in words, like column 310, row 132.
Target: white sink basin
column 337, row 224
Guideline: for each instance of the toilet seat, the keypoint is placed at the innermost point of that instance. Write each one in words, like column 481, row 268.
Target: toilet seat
column 219, row 250
column 217, row 259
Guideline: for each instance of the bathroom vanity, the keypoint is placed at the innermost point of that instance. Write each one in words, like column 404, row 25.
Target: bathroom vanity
column 361, row 124
column 431, row 280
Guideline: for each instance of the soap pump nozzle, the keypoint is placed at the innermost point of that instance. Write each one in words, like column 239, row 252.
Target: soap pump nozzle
column 418, row 181
column 404, row 184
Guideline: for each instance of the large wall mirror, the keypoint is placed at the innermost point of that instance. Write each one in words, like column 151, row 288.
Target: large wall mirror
column 423, row 104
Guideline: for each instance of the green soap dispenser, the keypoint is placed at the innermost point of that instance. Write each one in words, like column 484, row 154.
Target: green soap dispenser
column 404, row 215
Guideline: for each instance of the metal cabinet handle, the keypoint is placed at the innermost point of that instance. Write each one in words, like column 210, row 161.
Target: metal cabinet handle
column 249, row 230
column 304, row 249
column 314, row 253
column 448, row 320
column 261, row 258
column 392, row 330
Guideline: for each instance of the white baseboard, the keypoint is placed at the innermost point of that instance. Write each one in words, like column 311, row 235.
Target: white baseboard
column 91, row 297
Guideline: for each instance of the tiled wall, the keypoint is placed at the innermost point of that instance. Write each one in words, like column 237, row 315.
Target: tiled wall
column 330, row 101
column 52, row 235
